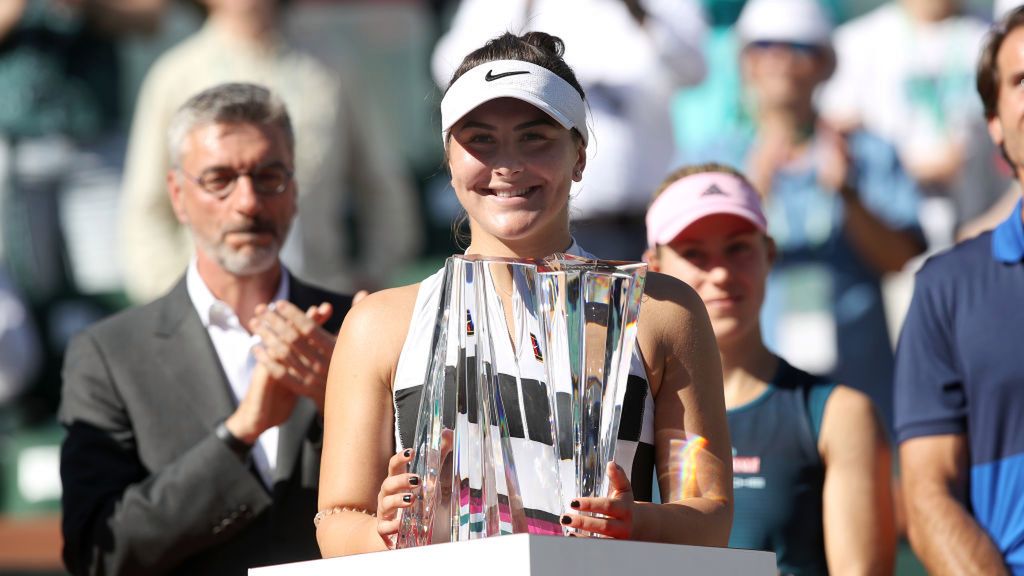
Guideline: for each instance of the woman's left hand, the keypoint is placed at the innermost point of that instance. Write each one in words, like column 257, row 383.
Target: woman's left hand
column 615, row 511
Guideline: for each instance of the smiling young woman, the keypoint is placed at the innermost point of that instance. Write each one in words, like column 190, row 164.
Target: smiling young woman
column 514, row 126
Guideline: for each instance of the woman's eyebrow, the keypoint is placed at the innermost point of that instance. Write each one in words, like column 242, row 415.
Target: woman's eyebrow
column 475, row 124
column 538, row 122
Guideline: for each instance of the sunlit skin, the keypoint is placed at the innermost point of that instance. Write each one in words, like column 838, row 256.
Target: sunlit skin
column 726, row 259
column 512, row 166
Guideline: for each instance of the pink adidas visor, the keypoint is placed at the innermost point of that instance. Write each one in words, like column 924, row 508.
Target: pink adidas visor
column 697, row 196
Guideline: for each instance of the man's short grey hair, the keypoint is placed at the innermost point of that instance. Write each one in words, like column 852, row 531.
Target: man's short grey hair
column 232, row 103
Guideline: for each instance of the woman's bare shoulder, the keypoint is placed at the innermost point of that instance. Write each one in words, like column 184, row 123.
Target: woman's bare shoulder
column 378, row 323
column 669, row 303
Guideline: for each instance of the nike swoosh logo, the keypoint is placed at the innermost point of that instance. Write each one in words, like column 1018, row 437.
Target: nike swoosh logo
column 491, row 76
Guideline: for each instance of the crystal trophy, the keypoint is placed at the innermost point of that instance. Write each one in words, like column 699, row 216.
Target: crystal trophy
column 520, row 408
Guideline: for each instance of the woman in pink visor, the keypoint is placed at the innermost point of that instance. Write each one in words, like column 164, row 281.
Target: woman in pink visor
column 810, row 458
column 514, row 125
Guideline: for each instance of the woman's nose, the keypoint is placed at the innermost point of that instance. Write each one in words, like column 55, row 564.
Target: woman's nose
column 507, row 164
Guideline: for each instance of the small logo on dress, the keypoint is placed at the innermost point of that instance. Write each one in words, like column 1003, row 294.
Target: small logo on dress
column 536, row 348
column 713, row 190
column 746, row 464
column 470, row 329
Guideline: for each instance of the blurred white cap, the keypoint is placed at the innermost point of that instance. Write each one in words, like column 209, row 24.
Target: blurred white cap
column 1002, row 7
column 797, row 21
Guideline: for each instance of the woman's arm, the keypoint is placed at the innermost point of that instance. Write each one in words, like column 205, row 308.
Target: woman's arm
column 858, row 518
column 685, row 374
column 359, row 421
column 693, row 451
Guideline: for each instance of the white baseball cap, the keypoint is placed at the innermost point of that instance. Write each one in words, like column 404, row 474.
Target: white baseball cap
column 797, row 21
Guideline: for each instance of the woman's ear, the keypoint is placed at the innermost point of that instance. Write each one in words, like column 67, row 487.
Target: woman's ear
column 581, row 162
column 651, row 257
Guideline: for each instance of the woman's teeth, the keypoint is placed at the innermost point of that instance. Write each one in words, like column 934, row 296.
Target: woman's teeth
column 511, row 193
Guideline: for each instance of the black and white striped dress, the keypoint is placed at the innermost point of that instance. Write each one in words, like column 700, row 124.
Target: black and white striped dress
column 528, row 416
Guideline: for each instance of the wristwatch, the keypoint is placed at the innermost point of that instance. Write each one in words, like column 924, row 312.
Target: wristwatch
column 239, row 447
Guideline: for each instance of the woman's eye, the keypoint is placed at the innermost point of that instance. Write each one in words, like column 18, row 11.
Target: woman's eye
column 739, row 248
column 534, row 136
column 481, row 139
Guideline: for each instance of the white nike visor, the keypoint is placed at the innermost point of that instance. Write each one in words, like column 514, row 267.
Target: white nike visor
column 524, row 81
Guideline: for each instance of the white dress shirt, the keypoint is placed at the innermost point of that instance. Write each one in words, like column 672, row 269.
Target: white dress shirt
column 234, row 345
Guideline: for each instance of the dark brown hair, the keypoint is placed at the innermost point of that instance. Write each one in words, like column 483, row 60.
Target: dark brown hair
column 538, row 48
column 987, row 78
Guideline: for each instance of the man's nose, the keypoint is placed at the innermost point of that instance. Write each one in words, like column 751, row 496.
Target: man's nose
column 246, row 199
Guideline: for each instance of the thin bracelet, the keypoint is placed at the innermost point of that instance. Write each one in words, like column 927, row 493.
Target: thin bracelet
column 337, row 509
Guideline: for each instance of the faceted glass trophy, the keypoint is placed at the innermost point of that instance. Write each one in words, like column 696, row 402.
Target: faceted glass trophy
column 523, row 394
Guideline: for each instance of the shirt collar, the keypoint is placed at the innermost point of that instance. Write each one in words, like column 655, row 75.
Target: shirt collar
column 1008, row 238
column 212, row 310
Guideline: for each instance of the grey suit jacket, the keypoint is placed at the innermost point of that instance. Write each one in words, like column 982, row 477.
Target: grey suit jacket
column 148, row 487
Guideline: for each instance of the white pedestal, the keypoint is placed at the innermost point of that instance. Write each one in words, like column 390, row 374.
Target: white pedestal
column 528, row 555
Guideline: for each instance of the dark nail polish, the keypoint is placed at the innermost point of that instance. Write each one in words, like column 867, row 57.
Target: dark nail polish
column 414, row 481
column 407, row 498
column 575, row 504
column 566, row 519
column 407, row 452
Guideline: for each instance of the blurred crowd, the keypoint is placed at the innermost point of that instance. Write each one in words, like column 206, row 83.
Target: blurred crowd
column 88, row 89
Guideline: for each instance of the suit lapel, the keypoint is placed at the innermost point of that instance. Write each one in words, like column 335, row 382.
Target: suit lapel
column 192, row 361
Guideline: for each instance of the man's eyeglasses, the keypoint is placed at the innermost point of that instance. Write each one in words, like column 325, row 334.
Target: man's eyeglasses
column 269, row 180
column 801, row 49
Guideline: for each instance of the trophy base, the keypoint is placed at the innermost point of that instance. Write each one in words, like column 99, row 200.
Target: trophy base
column 530, row 555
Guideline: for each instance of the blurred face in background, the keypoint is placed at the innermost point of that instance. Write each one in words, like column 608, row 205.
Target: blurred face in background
column 242, row 8
column 782, row 74
column 726, row 259
column 932, row 10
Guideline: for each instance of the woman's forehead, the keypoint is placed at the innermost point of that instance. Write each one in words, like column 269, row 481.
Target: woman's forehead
column 502, row 111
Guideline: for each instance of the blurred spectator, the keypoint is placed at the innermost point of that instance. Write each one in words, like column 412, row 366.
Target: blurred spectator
column 343, row 165
column 630, row 56
column 19, row 346
column 905, row 72
column 60, row 143
column 840, row 207
column 716, row 104
column 959, row 364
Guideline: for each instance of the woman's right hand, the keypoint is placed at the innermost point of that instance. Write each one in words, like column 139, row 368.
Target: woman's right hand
column 397, row 491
